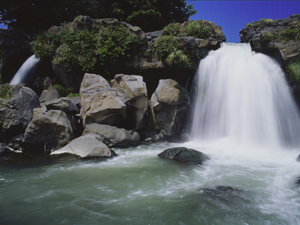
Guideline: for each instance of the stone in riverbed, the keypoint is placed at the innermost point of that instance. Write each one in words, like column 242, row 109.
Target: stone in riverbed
column 185, row 155
column 113, row 136
column 86, row 147
column 100, row 103
column 48, row 130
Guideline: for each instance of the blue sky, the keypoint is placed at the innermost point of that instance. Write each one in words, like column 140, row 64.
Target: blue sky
column 233, row 16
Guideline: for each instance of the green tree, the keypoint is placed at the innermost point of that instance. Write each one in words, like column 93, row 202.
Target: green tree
column 150, row 15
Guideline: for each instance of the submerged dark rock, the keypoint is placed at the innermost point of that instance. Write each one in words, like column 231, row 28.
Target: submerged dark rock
column 185, row 155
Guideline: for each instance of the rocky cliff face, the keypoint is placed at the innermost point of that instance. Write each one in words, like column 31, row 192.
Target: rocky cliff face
column 277, row 38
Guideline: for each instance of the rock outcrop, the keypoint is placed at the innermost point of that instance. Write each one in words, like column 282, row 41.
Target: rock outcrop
column 185, row 155
column 272, row 37
column 133, row 92
column 169, row 105
column 47, row 131
column 86, row 147
column 100, row 103
column 113, row 136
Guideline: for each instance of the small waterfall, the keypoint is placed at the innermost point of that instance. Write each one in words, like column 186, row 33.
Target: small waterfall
column 243, row 96
column 26, row 71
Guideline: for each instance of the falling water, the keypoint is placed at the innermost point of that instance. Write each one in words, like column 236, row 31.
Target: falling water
column 243, row 96
column 26, row 71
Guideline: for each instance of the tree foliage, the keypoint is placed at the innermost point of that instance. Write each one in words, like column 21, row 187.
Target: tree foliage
column 150, row 15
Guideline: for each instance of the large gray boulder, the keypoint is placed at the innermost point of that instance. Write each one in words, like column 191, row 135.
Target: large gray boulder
column 17, row 112
column 169, row 105
column 48, row 130
column 113, row 136
column 64, row 104
column 133, row 92
column 85, row 147
column 185, row 155
column 100, row 103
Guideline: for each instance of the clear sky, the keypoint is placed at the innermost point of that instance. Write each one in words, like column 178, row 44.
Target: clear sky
column 233, row 16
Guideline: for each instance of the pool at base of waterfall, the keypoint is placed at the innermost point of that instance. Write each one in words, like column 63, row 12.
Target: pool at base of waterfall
column 237, row 185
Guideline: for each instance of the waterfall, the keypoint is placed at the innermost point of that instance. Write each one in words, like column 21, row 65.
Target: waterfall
column 26, row 71
column 243, row 96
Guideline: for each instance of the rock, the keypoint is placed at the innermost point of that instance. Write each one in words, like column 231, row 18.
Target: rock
column 15, row 141
column 49, row 92
column 184, row 155
column 133, row 92
column 298, row 158
column 48, row 130
column 85, row 147
column 64, row 104
column 169, row 107
column 48, row 95
column 63, row 75
column 18, row 111
column 100, row 102
column 81, row 23
column 114, row 137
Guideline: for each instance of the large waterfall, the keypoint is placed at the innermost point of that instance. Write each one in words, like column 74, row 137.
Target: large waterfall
column 243, row 96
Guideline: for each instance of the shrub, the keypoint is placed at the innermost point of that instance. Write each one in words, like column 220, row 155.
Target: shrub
column 290, row 33
column 5, row 92
column 178, row 58
column 164, row 46
column 197, row 30
column 266, row 21
column 45, row 44
column 293, row 70
column 172, row 29
column 269, row 37
column 63, row 92
column 249, row 24
column 88, row 51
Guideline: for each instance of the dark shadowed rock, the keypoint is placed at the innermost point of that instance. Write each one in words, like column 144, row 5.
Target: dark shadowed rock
column 184, row 155
column 18, row 111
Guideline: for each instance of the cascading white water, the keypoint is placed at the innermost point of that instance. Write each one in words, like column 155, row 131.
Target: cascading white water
column 25, row 70
column 243, row 96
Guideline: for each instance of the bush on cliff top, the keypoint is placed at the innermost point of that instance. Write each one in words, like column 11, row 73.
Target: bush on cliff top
column 84, row 51
column 293, row 70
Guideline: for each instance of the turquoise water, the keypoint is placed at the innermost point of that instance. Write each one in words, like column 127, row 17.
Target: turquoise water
column 137, row 187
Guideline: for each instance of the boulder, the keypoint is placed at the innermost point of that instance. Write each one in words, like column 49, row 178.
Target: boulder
column 85, row 147
column 169, row 105
column 64, row 104
column 18, row 111
column 185, row 155
column 49, row 92
column 133, row 92
column 100, row 103
column 46, row 131
column 113, row 136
